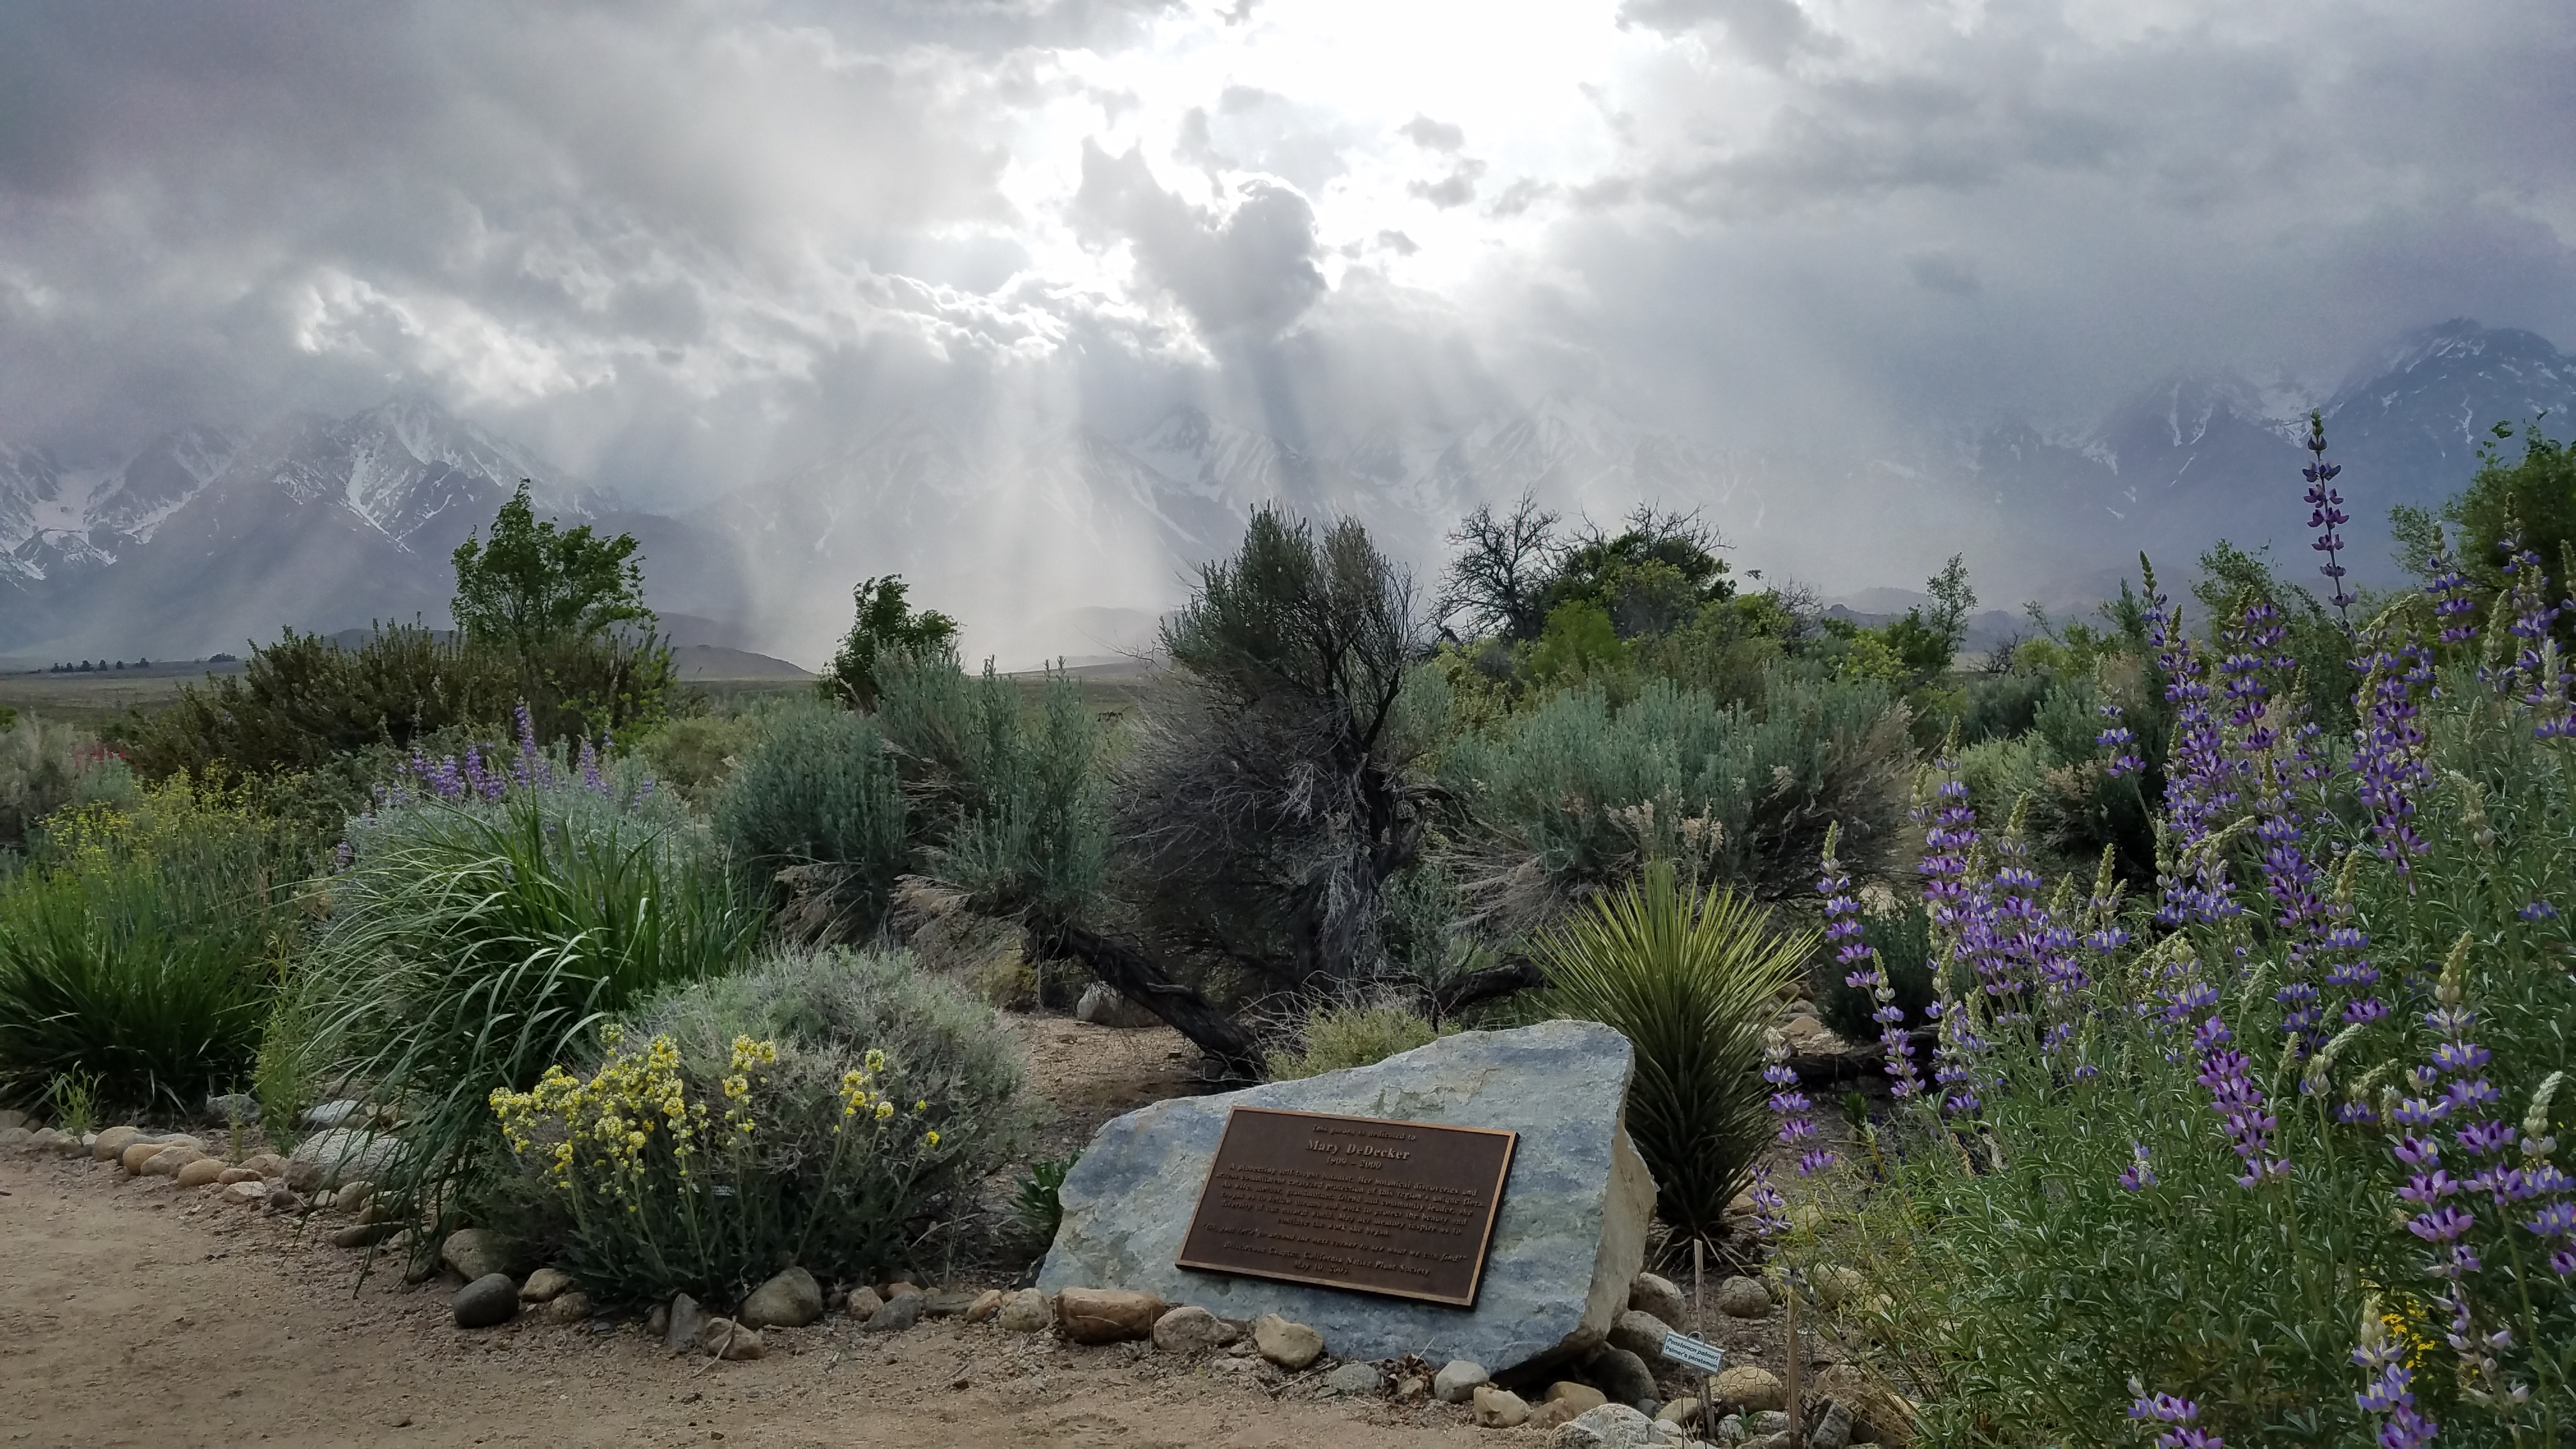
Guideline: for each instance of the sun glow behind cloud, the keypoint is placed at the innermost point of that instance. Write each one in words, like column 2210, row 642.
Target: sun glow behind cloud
column 689, row 243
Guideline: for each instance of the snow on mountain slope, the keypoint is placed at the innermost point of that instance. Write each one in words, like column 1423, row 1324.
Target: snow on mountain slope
column 199, row 541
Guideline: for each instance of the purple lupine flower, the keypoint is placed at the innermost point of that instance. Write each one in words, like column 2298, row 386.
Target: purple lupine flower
column 2452, row 604
column 2390, row 1394
column 2538, row 911
column 2118, row 738
column 2533, row 673
column 2326, row 515
column 1958, row 910
column 2238, row 1101
column 2139, row 1174
column 2177, row 1412
column 1797, row 1129
column 486, row 782
column 1843, row 931
column 2007, row 932
column 2199, row 776
column 589, row 763
column 1770, row 1209
column 341, row 855
column 2391, row 754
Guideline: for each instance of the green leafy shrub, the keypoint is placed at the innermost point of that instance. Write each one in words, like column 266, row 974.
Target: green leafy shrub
column 1578, row 795
column 1691, row 979
column 1007, row 802
column 135, row 953
column 1337, row 1038
column 831, row 1109
column 820, row 789
column 473, row 942
column 301, row 702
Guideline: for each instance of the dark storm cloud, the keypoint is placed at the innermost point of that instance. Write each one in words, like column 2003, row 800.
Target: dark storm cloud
column 218, row 210
column 1252, row 270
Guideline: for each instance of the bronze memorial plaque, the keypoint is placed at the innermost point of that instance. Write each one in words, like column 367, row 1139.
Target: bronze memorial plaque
column 1401, row 1208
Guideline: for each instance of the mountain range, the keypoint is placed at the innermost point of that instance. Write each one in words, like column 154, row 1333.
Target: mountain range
column 1065, row 541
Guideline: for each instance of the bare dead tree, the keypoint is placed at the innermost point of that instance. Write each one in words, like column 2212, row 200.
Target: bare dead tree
column 1498, row 582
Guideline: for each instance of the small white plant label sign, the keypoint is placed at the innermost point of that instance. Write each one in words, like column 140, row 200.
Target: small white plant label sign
column 1708, row 1358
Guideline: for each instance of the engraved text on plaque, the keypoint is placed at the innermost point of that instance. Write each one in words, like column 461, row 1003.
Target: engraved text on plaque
column 1402, row 1208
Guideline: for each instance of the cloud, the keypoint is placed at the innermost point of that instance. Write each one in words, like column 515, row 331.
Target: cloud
column 685, row 244
column 1433, row 135
column 1771, row 31
column 1455, row 189
column 1251, row 270
column 1944, row 272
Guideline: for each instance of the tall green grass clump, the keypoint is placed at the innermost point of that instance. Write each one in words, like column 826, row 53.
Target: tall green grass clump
column 485, row 923
column 831, row 1109
column 138, row 947
column 2275, row 1157
column 1692, row 979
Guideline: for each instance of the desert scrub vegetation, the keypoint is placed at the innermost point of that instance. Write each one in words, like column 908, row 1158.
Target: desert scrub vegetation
column 48, row 767
column 484, row 920
column 1337, row 1038
column 1578, row 795
column 814, row 815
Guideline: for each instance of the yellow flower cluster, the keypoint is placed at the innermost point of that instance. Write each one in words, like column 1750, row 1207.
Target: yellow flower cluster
column 608, row 1121
column 748, row 1057
column 599, row 1137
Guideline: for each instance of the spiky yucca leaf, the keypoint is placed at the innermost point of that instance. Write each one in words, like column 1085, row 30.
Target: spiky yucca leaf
column 1691, row 979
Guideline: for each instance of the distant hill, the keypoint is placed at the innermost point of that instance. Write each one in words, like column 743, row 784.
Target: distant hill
column 713, row 662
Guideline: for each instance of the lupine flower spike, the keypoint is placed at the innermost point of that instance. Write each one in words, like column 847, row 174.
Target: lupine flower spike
column 2326, row 515
column 1866, row 972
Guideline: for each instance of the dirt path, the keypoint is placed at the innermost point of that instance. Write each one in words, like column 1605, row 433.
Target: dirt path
column 132, row 1312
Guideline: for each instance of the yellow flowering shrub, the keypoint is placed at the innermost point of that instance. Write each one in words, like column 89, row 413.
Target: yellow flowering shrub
column 658, row 1184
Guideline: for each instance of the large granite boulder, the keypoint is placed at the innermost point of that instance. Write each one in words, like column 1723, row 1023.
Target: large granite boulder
column 1569, row 1238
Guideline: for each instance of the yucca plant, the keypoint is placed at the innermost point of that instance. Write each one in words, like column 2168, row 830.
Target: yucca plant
column 474, row 943
column 1691, row 978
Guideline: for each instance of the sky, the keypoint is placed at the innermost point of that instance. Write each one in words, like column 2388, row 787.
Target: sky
column 679, row 247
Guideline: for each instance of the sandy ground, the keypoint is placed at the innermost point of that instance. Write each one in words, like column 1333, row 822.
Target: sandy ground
column 134, row 1313
column 1093, row 1073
